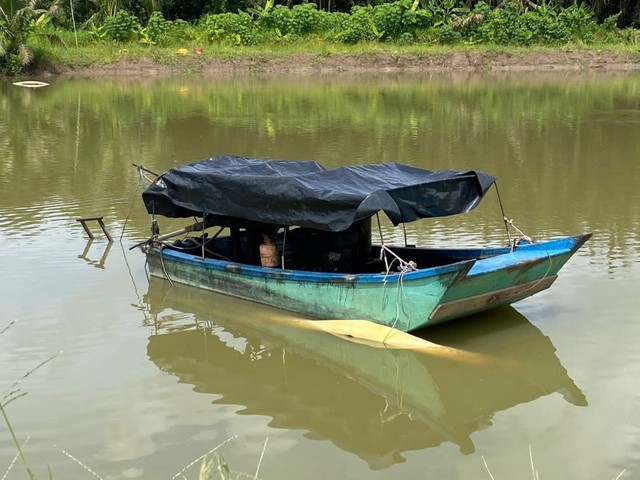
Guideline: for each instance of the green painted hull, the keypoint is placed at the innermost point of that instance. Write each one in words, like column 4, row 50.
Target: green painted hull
column 401, row 301
column 478, row 280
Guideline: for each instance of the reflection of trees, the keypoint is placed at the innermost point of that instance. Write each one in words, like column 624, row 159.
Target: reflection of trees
column 564, row 148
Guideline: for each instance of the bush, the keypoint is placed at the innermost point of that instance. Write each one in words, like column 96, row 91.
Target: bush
column 405, row 39
column 514, row 25
column 578, row 22
column 449, row 35
column 279, row 18
column 334, row 23
column 181, row 30
column 393, row 19
column 11, row 64
column 357, row 27
column 121, row 27
column 235, row 27
column 157, row 28
column 301, row 20
column 306, row 19
column 514, row 22
column 501, row 26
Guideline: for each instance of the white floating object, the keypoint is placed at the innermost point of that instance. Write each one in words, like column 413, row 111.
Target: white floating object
column 31, row 84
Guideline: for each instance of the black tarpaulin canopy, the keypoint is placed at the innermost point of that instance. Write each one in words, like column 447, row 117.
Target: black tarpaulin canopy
column 306, row 194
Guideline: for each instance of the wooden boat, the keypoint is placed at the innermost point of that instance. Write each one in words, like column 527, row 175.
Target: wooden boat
column 376, row 403
column 297, row 236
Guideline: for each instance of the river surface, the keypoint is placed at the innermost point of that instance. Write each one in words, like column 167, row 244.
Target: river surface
column 146, row 378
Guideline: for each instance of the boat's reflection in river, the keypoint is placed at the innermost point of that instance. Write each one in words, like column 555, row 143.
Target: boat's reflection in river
column 374, row 402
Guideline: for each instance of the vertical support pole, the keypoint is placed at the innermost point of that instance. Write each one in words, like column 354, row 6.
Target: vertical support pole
column 86, row 229
column 104, row 229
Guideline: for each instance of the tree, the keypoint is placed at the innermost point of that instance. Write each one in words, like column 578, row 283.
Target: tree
column 15, row 26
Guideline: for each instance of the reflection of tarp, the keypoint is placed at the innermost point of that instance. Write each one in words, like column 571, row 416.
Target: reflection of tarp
column 375, row 403
column 308, row 195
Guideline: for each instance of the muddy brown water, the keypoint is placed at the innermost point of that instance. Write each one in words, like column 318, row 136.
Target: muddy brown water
column 150, row 377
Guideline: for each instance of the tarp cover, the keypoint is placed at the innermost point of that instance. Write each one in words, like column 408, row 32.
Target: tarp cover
column 306, row 194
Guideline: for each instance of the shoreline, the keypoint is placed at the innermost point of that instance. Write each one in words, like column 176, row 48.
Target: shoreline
column 471, row 61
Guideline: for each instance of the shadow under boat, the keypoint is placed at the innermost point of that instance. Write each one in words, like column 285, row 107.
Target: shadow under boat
column 373, row 402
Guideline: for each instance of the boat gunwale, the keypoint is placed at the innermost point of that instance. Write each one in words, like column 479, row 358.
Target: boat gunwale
column 569, row 244
column 472, row 257
column 460, row 268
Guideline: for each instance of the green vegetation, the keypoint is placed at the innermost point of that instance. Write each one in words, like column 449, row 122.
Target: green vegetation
column 15, row 29
column 110, row 29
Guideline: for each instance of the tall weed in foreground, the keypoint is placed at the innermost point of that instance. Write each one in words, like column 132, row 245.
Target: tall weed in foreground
column 5, row 400
column 535, row 475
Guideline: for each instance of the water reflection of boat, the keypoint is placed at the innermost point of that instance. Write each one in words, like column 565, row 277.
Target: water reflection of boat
column 376, row 403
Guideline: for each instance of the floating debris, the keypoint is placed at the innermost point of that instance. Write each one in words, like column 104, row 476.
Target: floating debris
column 31, row 84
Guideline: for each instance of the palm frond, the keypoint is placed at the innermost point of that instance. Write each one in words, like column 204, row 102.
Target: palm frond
column 25, row 54
column 55, row 11
column 3, row 16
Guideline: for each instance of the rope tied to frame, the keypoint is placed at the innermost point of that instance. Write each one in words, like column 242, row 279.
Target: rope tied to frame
column 523, row 237
column 164, row 269
column 513, row 243
column 403, row 266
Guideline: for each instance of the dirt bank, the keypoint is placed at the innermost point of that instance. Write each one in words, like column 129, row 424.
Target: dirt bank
column 377, row 62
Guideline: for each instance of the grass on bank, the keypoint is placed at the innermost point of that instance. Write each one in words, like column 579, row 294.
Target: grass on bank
column 182, row 56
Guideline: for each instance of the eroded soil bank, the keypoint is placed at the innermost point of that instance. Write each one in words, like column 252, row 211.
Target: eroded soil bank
column 376, row 62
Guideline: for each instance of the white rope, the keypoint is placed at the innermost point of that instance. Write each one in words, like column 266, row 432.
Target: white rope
column 409, row 266
column 404, row 267
column 523, row 236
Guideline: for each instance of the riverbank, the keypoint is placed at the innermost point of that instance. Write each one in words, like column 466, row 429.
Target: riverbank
column 361, row 62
